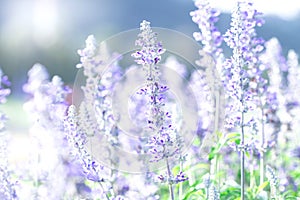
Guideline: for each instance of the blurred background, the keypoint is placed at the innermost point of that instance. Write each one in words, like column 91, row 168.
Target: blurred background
column 50, row 31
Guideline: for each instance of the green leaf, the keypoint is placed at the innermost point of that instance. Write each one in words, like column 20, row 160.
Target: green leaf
column 196, row 142
column 212, row 153
column 231, row 136
column 176, row 169
column 196, row 194
column 237, row 141
column 262, row 187
column 247, row 154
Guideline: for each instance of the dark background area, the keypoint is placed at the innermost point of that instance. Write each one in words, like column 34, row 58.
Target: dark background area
column 20, row 48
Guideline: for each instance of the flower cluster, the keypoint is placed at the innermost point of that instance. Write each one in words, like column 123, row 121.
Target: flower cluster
column 206, row 17
column 206, row 84
column 272, row 178
column 47, row 133
column 77, row 140
column 8, row 190
column 150, row 53
column 243, row 74
column 7, row 186
column 262, row 121
column 164, row 144
column 180, row 177
column 101, row 71
column 242, row 67
column 213, row 194
column 95, row 117
column 274, row 62
column 46, row 96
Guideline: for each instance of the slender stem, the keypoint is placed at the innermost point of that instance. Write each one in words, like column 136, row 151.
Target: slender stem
column 242, row 160
column 218, row 170
column 217, row 112
column 214, row 162
column 170, row 184
column 216, row 127
column 180, row 184
column 106, row 195
column 212, row 168
column 261, row 159
column 242, row 136
column 252, row 177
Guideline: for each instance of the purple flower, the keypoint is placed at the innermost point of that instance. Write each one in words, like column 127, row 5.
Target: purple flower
column 206, row 17
column 150, row 53
column 102, row 73
column 180, row 177
column 77, row 140
column 275, row 63
column 165, row 142
column 275, row 101
column 47, row 108
column 47, row 96
column 213, row 193
column 7, row 186
column 4, row 83
column 240, row 76
column 292, row 92
column 201, row 90
column 273, row 180
column 211, row 58
column 242, row 67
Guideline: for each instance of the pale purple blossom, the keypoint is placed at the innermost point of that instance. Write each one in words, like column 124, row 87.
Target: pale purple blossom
column 7, row 185
column 206, row 83
column 102, row 72
column 242, row 66
column 206, row 17
column 77, row 140
column 47, row 107
column 150, row 53
column 46, row 96
column 164, row 143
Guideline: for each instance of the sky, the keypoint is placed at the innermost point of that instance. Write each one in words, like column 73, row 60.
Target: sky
column 285, row 9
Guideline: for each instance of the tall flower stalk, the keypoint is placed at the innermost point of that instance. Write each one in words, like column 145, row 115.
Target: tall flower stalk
column 241, row 39
column 273, row 180
column 77, row 140
column 47, row 107
column 211, row 38
column 164, row 143
column 95, row 117
column 7, row 186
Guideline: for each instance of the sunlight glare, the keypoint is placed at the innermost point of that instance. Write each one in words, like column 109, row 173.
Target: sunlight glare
column 45, row 19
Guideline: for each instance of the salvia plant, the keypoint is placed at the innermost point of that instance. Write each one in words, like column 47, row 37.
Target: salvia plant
column 245, row 144
column 7, row 184
column 165, row 143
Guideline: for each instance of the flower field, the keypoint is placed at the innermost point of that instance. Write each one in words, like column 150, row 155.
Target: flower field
column 148, row 119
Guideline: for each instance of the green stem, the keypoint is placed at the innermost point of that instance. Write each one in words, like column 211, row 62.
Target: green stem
column 252, row 177
column 180, row 184
column 261, row 160
column 217, row 113
column 170, row 184
column 218, row 170
column 106, row 195
column 242, row 160
column 214, row 161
